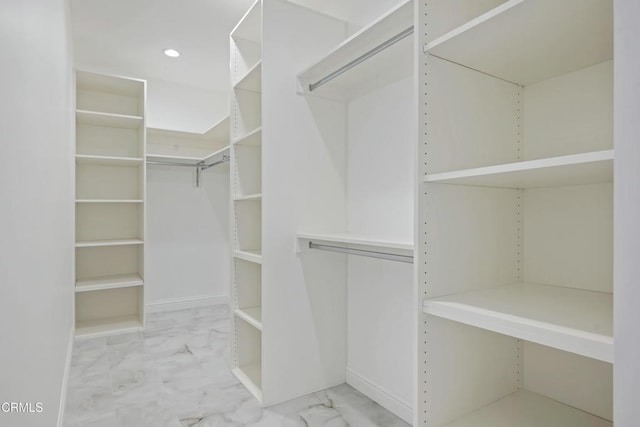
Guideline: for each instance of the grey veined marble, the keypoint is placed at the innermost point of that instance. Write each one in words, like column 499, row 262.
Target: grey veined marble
column 175, row 374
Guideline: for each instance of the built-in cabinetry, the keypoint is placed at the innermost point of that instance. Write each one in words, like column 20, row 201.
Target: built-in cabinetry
column 515, row 213
column 246, row 199
column 110, row 208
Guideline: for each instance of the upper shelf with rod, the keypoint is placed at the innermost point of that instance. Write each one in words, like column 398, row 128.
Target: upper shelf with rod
column 187, row 147
column 377, row 55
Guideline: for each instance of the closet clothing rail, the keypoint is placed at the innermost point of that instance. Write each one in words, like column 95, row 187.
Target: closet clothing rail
column 200, row 166
column 362, row 252
column 382, row 46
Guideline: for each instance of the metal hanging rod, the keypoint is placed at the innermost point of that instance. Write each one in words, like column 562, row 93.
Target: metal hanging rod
column 393, row 40
column 362, row 252
column 200, row 166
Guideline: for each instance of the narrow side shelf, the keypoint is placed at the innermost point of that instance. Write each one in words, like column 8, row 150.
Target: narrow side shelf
column 97, row 118
column 110, row 326
column 527, row 409
column 115, row 242
column 248, row 197
column 584, row 168
column 109, row 282
column 249, row 376
column 252, row 80
column 251, row 315
column 253, row 138
column 108, row 160
column 572, row 320
column 526, row 41
column 252, row 256
column 382, row 52
column 107, row 201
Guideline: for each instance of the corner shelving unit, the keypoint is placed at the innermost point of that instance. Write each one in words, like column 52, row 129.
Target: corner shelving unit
column 110, row 204
column 246, row 199
column 515, row 214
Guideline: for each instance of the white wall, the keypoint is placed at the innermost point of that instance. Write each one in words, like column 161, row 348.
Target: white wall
column 187, row 234
column 380, row 185
column 626, row 213
column 37, row 209
column 184, row 108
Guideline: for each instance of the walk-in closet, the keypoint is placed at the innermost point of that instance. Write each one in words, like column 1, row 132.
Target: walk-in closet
column 321, row 213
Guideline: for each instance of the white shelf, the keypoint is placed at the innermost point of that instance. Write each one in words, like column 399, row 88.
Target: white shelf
column 217, row 155
column 253, row 138
column 210, row 156
column 127, row 86
column 251, row 315
column 526, row 409
column 115, row 242
column 568, row 319
column 108, row 160
column 249, row 197
column 97, row 118
column 109, row 282
column 111, row 326
column 391, row 64
column 526, row 41
column 250, row 376
column 250, row 25
column 349, row 239
column 252, row 80
column 252, row 256
column 585, row 168
column 115, row 201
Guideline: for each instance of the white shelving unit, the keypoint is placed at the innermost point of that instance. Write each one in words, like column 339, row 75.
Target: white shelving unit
column 246, row 199
column 110, row 208
column 515, row 214
column 189, row 147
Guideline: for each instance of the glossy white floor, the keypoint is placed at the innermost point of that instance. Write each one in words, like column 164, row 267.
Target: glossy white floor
column 175, row 374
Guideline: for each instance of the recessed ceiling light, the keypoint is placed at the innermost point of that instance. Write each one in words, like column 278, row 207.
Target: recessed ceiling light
column 171, row 53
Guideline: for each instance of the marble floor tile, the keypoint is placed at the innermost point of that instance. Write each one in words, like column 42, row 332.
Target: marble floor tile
column 176, row 374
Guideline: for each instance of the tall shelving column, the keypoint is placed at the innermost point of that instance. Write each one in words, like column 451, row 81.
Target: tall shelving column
column 110, row 204
column 515, row 214
column 246, row 203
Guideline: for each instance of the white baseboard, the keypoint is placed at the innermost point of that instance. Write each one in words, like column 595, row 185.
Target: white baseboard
column 65, row 378
column 383, row 397
column 184, row 303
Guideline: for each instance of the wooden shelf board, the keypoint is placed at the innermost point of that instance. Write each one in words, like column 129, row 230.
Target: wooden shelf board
column 572, row 320
column 584, row 168
column 114, row 242
column 248, row 197
column 526, row 41
column 109, row 282
column 253, row 138
column 250, row 25
column 251, row 315
column 252, row 80
column 251, row 377
column 97, row 118
column 351, row 239
column 110, row 326
column 391, row 64
column 252, row 256
column 109, row 201
column 109, row 160
column 527, row 409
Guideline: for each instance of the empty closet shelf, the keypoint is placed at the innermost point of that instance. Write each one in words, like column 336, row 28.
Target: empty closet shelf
column 108, row 326
column 106, row 201
column 250, row 376
column 108, row 160
column 253, row 256
column 568, row 319
column 97, row 118
column 527, row 409
column 584, row 168
column 252, row 139
column 252, row 80
column 113, row 242
column 109, row 282
column 251, row 315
